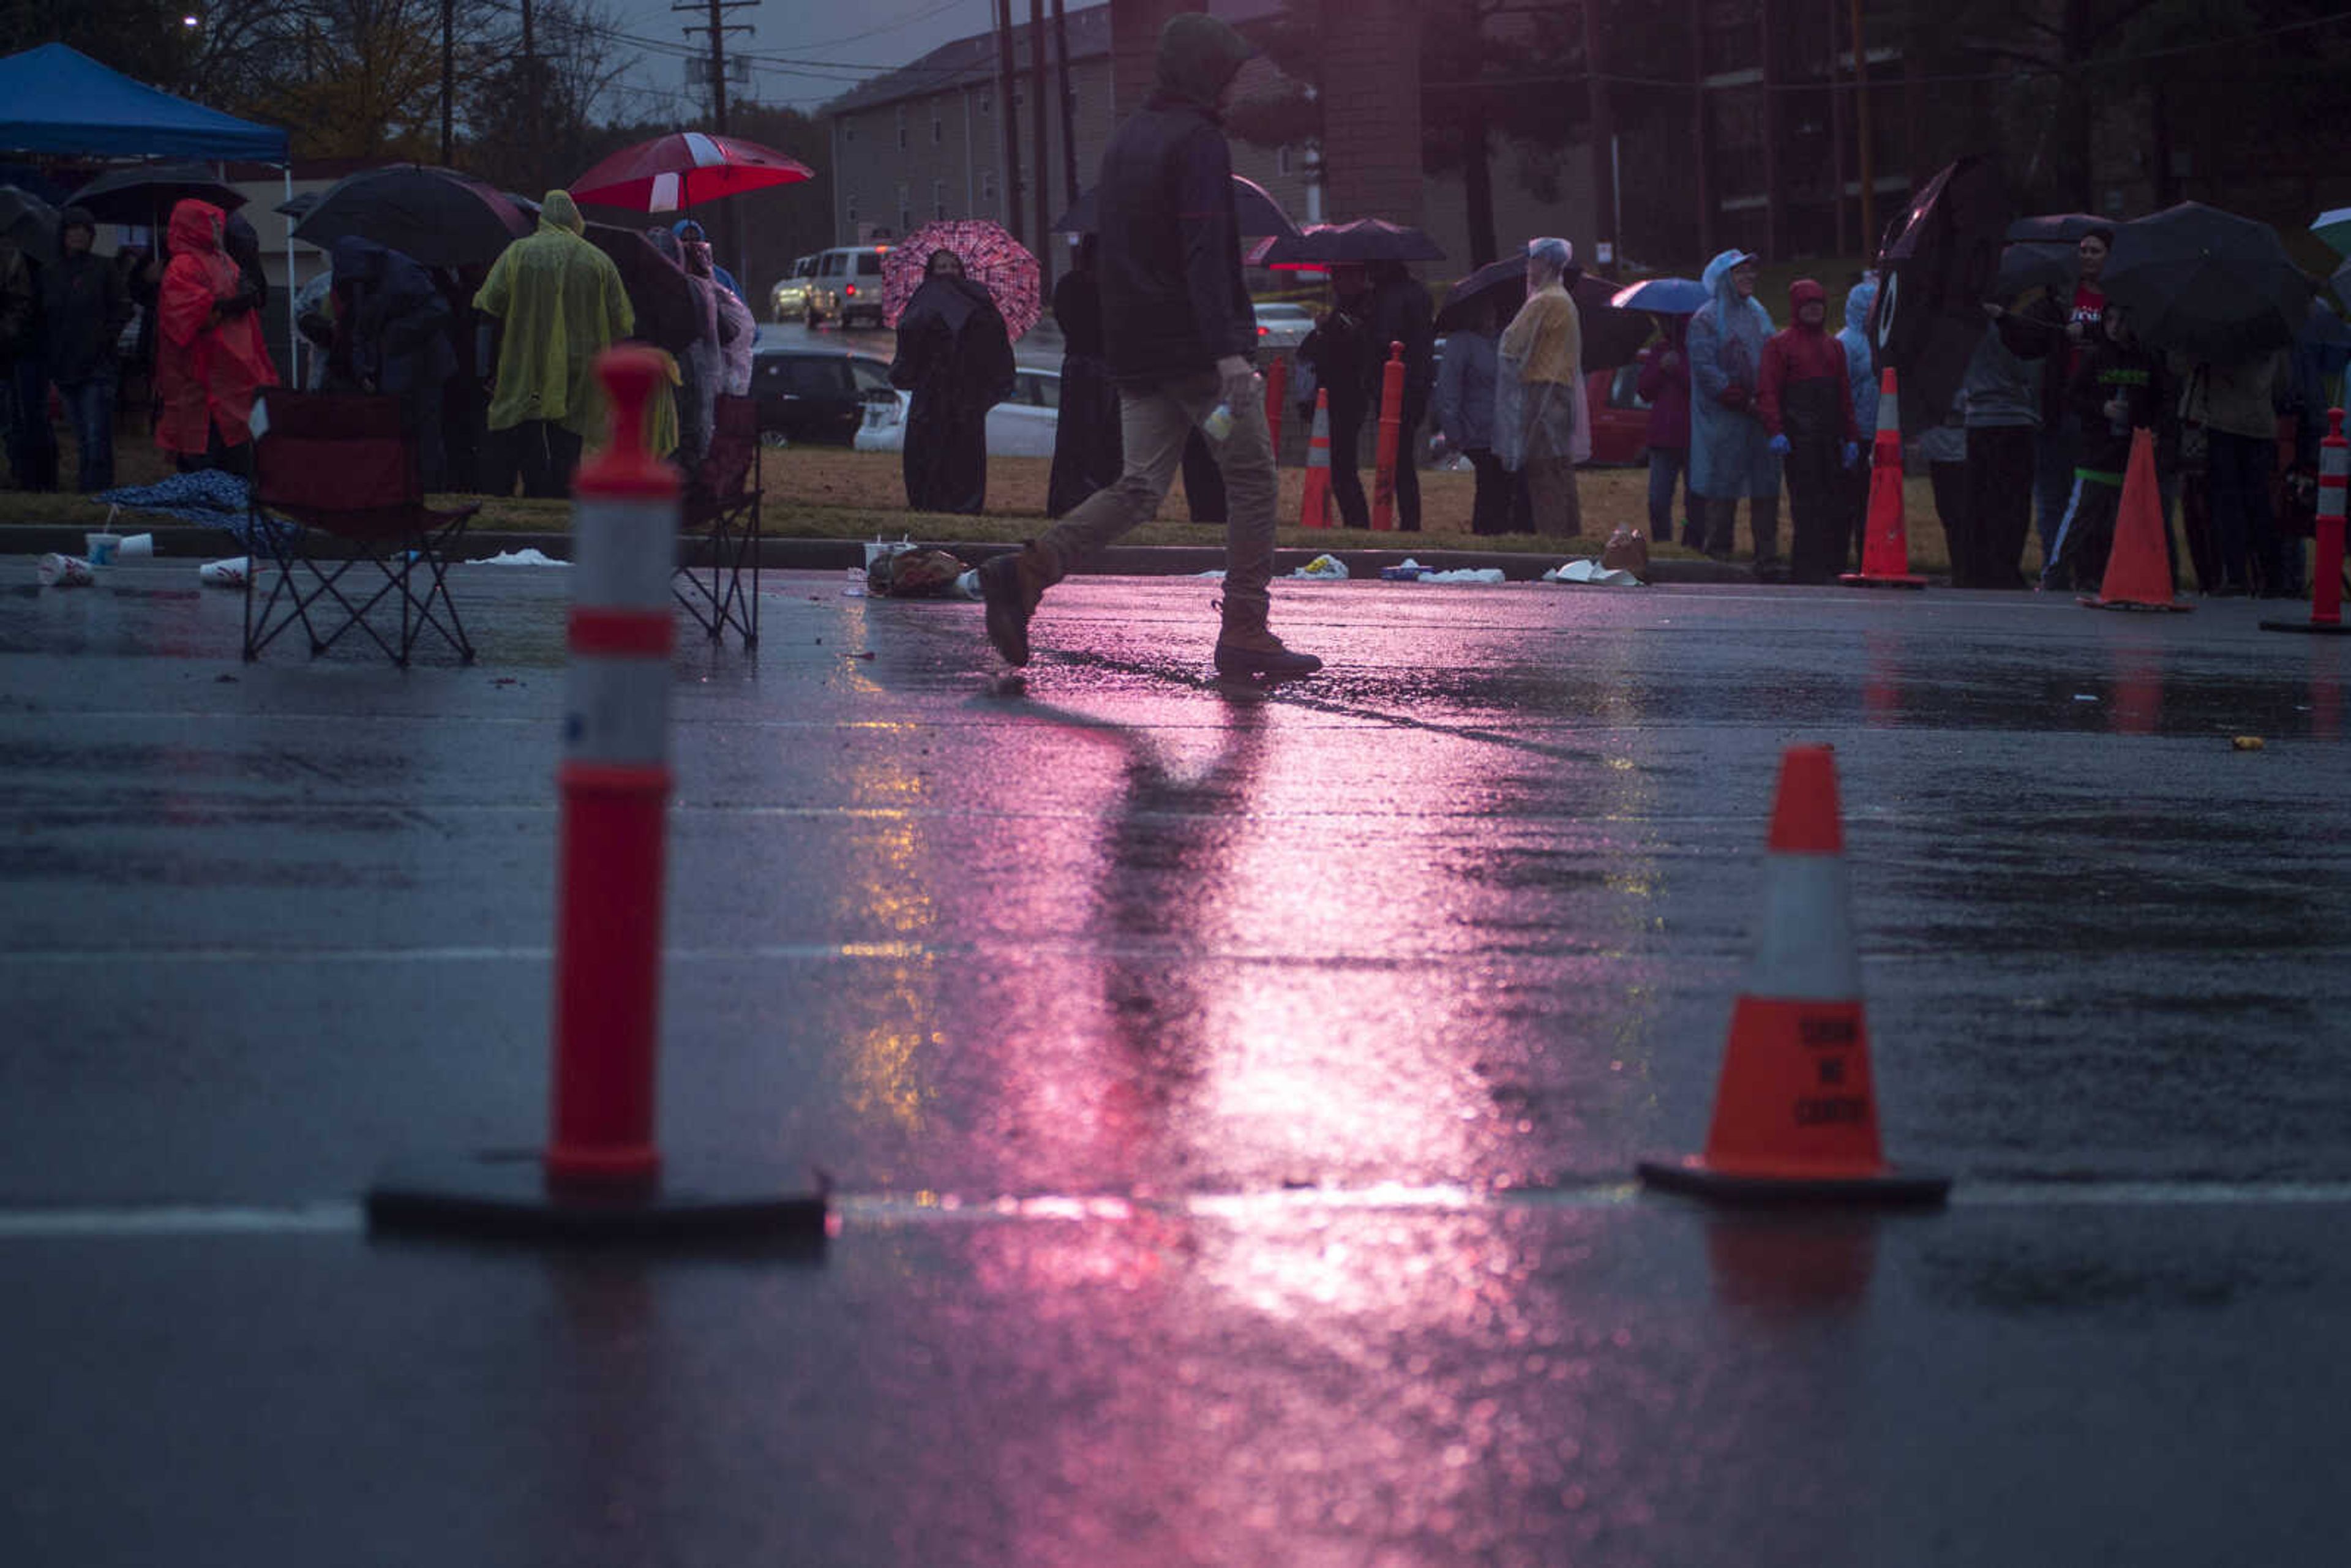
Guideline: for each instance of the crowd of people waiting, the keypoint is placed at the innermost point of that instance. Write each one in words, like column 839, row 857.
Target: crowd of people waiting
column 492, row 364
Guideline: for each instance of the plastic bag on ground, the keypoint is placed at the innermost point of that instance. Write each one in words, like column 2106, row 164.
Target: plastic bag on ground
column 1325, row 567
column 1591, row 571
column 526, row 557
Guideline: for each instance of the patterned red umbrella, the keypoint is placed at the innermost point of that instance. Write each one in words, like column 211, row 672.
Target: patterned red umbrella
column 991, row 257
column 684, row 167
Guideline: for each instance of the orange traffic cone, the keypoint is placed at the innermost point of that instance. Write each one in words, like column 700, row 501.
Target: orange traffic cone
column 2138, row 568
column 1314, row 511
column 1886, row 545
column 1795, row 1117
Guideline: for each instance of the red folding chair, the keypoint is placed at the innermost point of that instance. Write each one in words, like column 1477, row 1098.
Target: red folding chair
column 340, row 468
column 722, row 504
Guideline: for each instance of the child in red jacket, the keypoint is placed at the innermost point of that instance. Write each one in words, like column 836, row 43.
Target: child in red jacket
column 1805, row 400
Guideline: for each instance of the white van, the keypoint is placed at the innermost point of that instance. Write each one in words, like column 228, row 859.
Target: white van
column 847, row 286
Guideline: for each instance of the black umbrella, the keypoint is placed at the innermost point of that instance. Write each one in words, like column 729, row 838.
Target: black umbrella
column 1611, row 337
column 1335, row 244
column 2025, row 266
column 1259, row 213
column 146, row 194
column 661, row 296
column 436, row 217
column 2206, row 283
column 298, row 207
column 2057, row 228
column 31, row 221
column 1933, row 278
column 2342, row 281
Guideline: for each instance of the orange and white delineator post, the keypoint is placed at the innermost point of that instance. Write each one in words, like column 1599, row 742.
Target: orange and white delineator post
column 1795, row 1112
column 601, row 1178
column 2326, row 569
column 1886, row 538
column 1314, row 504
column 1384, row 476
column 614, row 780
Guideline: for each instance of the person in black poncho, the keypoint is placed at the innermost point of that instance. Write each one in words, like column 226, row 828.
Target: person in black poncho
column 955, row 357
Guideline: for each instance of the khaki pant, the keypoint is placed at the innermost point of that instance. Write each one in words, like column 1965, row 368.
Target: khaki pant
column 1154, row 423
column 1552, row 497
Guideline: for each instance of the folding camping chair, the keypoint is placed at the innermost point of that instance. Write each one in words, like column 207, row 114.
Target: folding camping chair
column 722, row 503
column 340, row 465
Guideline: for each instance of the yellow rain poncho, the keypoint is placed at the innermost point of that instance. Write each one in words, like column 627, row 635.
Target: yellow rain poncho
column 561, row 302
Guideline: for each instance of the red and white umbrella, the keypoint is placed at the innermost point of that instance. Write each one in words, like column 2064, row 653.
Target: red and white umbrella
column 991, row 258
column 685, row 168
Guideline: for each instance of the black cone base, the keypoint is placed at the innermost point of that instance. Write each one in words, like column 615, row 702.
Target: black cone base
column 509, row 1198
column 1896, row 1189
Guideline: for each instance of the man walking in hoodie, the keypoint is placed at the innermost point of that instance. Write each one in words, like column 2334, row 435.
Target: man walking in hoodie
column 1178, row 330
column 1805, row 400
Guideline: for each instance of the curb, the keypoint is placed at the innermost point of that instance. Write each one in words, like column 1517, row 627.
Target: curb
column 195, row 543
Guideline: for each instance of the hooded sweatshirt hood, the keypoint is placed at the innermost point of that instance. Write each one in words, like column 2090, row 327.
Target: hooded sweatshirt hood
column 1197, row 56
column 1803, row 292
column 194, row 228
column 559, row 211
column 1857, row 303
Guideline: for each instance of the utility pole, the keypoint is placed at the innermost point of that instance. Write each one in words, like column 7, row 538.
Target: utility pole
column 730, row 246
column 1836, row 134
column 1068, row 100
column 1701, row 185
column 448, row 74
column 533, row 104
column 1040, row 94
column 1602, row 125
column 1866, row 157
column 1004, row 67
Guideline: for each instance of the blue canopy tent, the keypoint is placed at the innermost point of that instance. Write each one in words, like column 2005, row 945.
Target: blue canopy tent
column 55, row 99
column 58, row 100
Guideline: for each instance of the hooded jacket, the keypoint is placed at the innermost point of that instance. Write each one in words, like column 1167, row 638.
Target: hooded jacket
column 1174, row 302
column 1804, row 391
column 1731, row 452
column 210, row 360
column 1664, row 386
column 1861, row 354
column 84, row 307
column 397, row 324
column 562, row 304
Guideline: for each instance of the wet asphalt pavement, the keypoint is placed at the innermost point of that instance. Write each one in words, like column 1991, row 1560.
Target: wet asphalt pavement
column 1230, row 1095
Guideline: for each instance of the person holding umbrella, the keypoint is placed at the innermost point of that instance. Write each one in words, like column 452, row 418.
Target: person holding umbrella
column 1541, row 426
column 2117, row 388
column 1178, row 331
column 561, row 303
column 87, row 307
column 1465, row 415
column 1400, row 313
column 210, row 360
column 1339, row 352
column 1664, row 386
column 2069, row 326
column 955, row 357
column 1731, row 452
column 2237, row 405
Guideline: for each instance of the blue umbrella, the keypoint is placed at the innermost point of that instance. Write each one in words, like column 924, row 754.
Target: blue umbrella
column 1662, row 295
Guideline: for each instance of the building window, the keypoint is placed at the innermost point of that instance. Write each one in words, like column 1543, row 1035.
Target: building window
column 901, row 128
column 1281, row 159
column 905, row 208
column 988, row 190
column 938, row 130
column 848, row 130
column 988, row 101
column 938, row 199
column 852, row 212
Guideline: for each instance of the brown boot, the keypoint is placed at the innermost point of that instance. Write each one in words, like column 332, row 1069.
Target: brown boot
column 1010, row 585
column 1248, row 651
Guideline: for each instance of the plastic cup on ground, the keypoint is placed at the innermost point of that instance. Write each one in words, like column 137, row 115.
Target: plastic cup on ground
column 135, row 546
column 65, row 571
column 100, row 548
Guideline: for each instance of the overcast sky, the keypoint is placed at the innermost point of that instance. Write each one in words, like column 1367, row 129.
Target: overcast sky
column 805, row 53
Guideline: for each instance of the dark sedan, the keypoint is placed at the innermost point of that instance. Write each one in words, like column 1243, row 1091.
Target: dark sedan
column 816, row 395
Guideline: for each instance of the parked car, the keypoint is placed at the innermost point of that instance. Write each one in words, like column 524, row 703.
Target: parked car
column 817, row 395
column 790, row 300
column 846, row 285
column 1282, row 327
column 1021, row 426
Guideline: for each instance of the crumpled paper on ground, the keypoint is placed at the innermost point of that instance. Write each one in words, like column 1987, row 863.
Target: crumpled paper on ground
column 526, row 557
column 1591, row 571
column 1325, row 567
column 1465, row 574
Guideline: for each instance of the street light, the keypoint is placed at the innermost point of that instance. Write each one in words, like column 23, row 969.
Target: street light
column 189, row 20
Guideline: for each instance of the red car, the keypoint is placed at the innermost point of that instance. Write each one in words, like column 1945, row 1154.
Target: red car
column 1620, row 419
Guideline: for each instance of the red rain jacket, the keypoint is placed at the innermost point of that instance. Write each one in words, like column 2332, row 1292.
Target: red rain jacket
column 1798, row 355
column 207, row 369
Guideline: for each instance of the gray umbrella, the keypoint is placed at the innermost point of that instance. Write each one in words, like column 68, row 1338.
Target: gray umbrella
column 31, row 221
